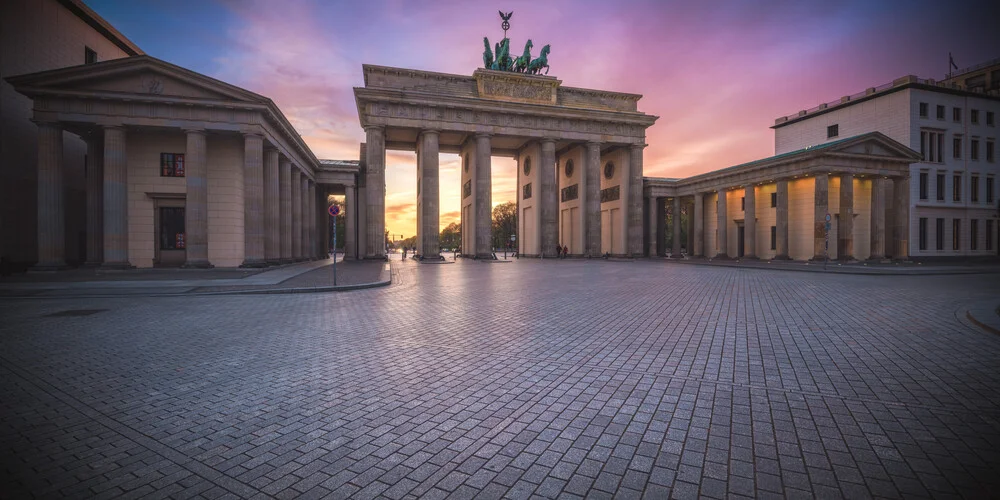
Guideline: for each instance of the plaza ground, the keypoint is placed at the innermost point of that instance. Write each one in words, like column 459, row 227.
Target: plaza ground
column 548, row 378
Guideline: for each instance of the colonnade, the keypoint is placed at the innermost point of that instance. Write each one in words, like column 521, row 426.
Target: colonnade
column 888, row 237
column 277, row 196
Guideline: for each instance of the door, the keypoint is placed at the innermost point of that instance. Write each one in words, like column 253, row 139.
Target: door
column 566, row 229
column 740, row 232
column 605, row 231
column 528, row 235
column 617, row 239
column 170, row 245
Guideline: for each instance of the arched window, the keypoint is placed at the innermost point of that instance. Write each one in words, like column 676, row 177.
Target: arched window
column 609, row 170
column 527, row 166
column 569, row 168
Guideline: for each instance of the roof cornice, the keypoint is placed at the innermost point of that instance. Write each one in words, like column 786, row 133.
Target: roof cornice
column 103, row 27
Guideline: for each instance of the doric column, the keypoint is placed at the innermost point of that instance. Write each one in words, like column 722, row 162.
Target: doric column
column 312, row 218
column 51, row 199
column 845, row 228
column 635, row 200
column 781, row 222
column 253, row 200
column 550, row 198
column 675, row 228
column 690, row 231
column 822, row 206
column 375, row 196
column 323, row 220
column 484, row 196
column 272, row 207
column 196, row 203
column 95, row 200
column 749, row 222
column 285, row 207
column 721, row 239
column 296, row 191
column 901, row 232
column 661, row 227
column 350, row 248
column 651, row 219
column 430, row 200
column 878, row 232
column 304, row 216
column 115, row 200
column 699, row 225
column 592, row 200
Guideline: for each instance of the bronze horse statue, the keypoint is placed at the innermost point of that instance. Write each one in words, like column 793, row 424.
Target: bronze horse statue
column 521, row 63
column 535, row 67
column 487, row 54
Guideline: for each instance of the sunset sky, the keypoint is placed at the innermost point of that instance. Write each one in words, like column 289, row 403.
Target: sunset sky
column 716, row 73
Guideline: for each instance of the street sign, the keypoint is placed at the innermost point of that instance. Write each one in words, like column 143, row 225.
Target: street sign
column 828, row 217
column 828, row 226
column 512, row 237
column 334, row 210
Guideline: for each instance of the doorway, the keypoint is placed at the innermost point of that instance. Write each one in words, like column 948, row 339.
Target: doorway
column 740, row 233
column 170, row 234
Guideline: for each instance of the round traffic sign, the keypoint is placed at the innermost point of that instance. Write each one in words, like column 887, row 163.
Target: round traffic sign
column 828, row 217
column 334, row 210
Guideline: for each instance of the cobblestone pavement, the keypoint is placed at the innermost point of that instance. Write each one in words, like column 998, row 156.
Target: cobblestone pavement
column 545, row 378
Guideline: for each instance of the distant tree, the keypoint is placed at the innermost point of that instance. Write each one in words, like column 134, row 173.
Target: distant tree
column 504, row 223
column 409, row 242
column 451, row 235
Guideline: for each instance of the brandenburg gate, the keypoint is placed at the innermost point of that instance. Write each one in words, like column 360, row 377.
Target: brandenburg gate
column 579, row 156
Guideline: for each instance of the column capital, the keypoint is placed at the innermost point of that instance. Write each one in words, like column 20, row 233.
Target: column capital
column 41, row 122
column 374, row 128
column 194, row 130
column 486, row 135
column 430, row 131
column 547, row 140
column 113, row 126
column 595, row 143
column 637, row 146
column 252, row 133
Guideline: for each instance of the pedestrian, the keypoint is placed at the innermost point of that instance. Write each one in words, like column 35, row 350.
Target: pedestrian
column 565, row 251
column 404, row 253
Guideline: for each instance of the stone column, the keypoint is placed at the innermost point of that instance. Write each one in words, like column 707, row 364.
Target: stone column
column 253, row 200
column 690, row 231
column 878, row 250
column 699, row 225
column 845, row 228
column 311, row 220
column 483, row 210
column 651, row 214
column 592, row 200
column 430, row 216
column 196, row 203
column 822, row 205
column 635, row 200
column 901, row 232
column 375, row 196
column 750, row 222
column 550, row 198
column 51, row 199
column 304, row 216
column 350, row 249
column 323, row 220
column 285, row 207
column 296, row 199
column 661, row 225
column 272, row 208
column 115, row 200
column 722, row 229
column 675, row 228
column 781, row 222
column 95, row 200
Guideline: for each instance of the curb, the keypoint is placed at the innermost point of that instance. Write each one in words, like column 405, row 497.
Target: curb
column 840, row 269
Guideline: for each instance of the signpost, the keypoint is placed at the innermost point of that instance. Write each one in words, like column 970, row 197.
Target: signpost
column 334, row 211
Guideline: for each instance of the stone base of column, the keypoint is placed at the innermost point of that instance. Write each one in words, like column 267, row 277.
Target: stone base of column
column 846, row 259
column 722, row 256
column 489, row 256
column 781, row 257
column 878, row 260
column 48, row 268
column 253, row 264
column 274, row 262
column 92, row 264
column 819, row 258
column 116, row 266
column 749, row 257
column 197, row 265
column 376, row 257
column 678, row 256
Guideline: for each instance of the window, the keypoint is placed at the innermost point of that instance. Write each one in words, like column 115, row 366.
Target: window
column 527, row 166
column 931, row 144
column 989, row 189
column 940, row 112
column 774, row 200
column 974, row 149
column 956, row 234
column 171, row 165
column 171, row 228
column 940, row 187
column 774, row 237
column 989, row 234
column 743, row 203
column 923, row 233
column 923, row 185
column 989, row 118
column 609, row 170
column 569, row 168
column 974, row 116
column 956, row 188
column 939, row 234
column 832, row 131
column 956, row 114
column 923, row 110
column 956, row 147
column 974, row 234
column 989, row 151
column 974, row 189
column 89, row 55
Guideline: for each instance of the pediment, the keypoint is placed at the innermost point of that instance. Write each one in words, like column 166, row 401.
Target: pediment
column 140, row 75
column 873, row 144
column 868, row 148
